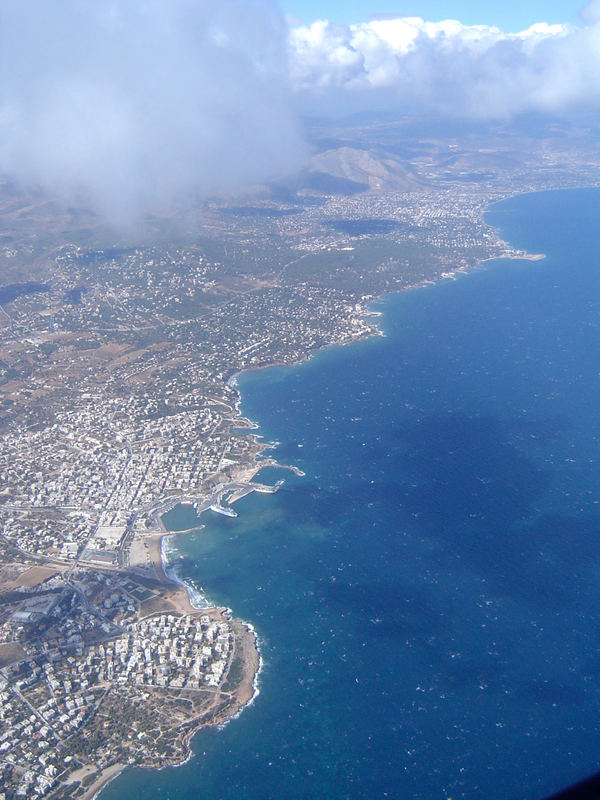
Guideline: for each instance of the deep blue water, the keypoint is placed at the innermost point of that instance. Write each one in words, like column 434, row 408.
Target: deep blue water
column 428, row 596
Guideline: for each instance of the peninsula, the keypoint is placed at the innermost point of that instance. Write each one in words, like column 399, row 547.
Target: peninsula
column 102, row 669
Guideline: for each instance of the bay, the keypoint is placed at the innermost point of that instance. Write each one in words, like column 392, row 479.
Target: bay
column 428, row 595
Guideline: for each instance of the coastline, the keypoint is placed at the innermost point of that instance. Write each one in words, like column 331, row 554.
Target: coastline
column 372, row 330
column 185, row 598
column 228, row 704
column 159, row 543
column 162, row 564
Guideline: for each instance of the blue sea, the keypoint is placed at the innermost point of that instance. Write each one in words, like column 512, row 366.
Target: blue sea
column 428, row 596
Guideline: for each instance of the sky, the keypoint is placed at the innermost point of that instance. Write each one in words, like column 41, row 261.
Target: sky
column 135, row 106
column 419, row 65
column 509, row 15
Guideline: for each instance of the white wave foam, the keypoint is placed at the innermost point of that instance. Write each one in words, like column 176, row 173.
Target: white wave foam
column 197, row 598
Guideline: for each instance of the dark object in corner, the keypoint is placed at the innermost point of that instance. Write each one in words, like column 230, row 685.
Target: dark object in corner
column 589, row 789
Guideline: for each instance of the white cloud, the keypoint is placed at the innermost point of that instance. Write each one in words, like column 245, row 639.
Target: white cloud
column 590, row 13
column 447, row 67
column 132, row 104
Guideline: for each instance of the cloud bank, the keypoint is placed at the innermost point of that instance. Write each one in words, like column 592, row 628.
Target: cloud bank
column 446, row 67
column 133, row 104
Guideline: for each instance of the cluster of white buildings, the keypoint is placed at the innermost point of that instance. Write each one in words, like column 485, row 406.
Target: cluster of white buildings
column 72, row 481
column 42, row 705
column 167, row 650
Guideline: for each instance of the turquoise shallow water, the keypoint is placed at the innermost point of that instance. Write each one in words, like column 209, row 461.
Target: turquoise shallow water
column 428, row 596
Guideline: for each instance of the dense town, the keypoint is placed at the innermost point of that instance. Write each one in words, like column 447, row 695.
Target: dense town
column 114, row 402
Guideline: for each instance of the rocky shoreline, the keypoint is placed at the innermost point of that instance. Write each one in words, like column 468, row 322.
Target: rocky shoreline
column 237, row 690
